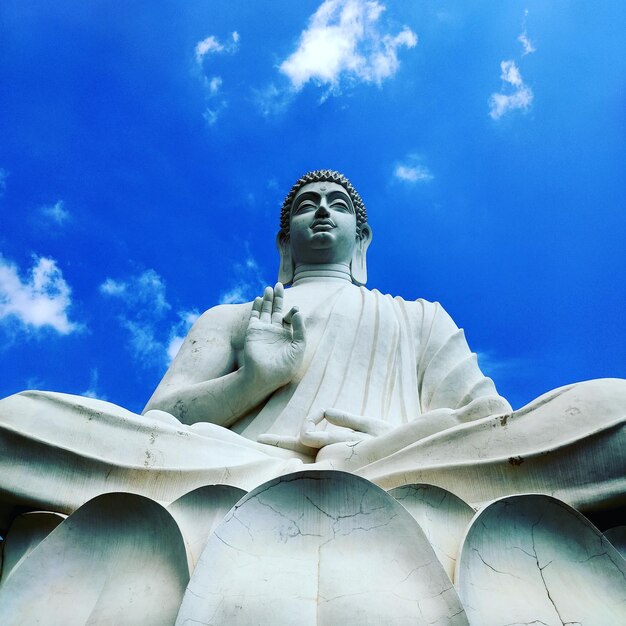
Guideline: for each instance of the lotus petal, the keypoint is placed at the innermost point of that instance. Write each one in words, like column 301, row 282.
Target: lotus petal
column 442, row 516
column 26, row 532
column 319, row 547
column 119, row 559
column 198, row 512
column 532, row 559
column 617, row 537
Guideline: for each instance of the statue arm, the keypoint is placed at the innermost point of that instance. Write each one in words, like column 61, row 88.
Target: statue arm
column 203, row 383
column 207, row 383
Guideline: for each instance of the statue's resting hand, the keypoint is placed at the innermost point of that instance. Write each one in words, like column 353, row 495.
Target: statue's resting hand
column 354, row 429
column 274, row 345
column 362, row 440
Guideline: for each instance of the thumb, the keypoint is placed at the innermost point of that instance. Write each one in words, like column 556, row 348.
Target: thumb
column 297, row 324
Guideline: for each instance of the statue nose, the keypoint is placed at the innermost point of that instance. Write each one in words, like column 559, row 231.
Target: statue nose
column 322, row 210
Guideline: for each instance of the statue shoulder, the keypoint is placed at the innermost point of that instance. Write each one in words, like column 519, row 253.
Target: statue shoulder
column 218, row 330
column 223, row 318
column 428, row 312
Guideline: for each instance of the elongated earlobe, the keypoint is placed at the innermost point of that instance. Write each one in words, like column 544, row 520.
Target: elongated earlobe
column 286, row 268
column 358, row 265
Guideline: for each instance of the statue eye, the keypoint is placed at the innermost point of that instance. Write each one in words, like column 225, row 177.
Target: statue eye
column 340, row 205
column 306, row 205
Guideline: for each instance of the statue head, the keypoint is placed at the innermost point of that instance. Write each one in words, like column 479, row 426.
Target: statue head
column 323, row 220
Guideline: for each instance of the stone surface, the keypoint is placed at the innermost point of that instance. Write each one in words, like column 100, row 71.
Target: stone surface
column 119, row 559
column 198, row 512
column 617, row 538
column 25, row 534
column 530, row 559
column 319, row 548
column 442, row 516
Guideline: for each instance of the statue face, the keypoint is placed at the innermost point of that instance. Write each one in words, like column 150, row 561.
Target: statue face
column 322, row 224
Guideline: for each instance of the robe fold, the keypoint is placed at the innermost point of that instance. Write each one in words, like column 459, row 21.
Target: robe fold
column 368, row 354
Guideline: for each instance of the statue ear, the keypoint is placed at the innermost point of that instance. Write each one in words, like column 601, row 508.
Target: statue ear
column 358, row 265
column 285, row 269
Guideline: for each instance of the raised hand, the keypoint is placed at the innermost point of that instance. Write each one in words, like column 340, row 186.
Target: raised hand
column 274, row 345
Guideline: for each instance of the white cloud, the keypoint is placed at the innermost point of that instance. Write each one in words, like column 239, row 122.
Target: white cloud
column 56, row 213
column 41, row 300
column 146, row 290
column 271, row 100
column 3, row 180
column 342, row 39
column 212, row 45
column 520, row 97
column 526, row 44
column 413, row 173
column 152, row 338
column 206, row 46
column 236, row 295
column 143, row 343
column 214, row 84
column 248, row 282
column 212, row 113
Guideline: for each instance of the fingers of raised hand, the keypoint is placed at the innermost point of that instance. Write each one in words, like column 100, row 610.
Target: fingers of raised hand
column 277, row 305
column 294, row 317
column 255, row 313
column 266, row 306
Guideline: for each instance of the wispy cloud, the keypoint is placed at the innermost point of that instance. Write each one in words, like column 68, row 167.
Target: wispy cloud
column 92, row 391
column 143, row 306
column 145, row 290
column 527, row 44
column 41, row 300
column 272, row 100
column 247, row 284
column 212, row 45
column 411, row 171
column 516, row 94
column 55, row 213
column 342, row 40
column 152, row 338
column 212, row 113
column 213, row 83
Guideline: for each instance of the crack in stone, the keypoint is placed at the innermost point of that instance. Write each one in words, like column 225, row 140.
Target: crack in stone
column 543, row 580
column 491, row 567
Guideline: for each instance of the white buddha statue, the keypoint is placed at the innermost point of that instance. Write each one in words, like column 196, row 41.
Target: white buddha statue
column 324, row 374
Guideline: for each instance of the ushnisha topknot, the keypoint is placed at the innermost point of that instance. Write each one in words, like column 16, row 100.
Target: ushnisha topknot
column 319, row 176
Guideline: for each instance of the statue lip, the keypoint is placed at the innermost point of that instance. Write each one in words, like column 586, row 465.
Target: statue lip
column 325, row 224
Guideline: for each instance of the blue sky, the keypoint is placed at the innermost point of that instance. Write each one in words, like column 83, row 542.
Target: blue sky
column 146, row 147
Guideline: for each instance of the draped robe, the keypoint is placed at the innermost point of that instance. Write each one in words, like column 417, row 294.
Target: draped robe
column 368, row 354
